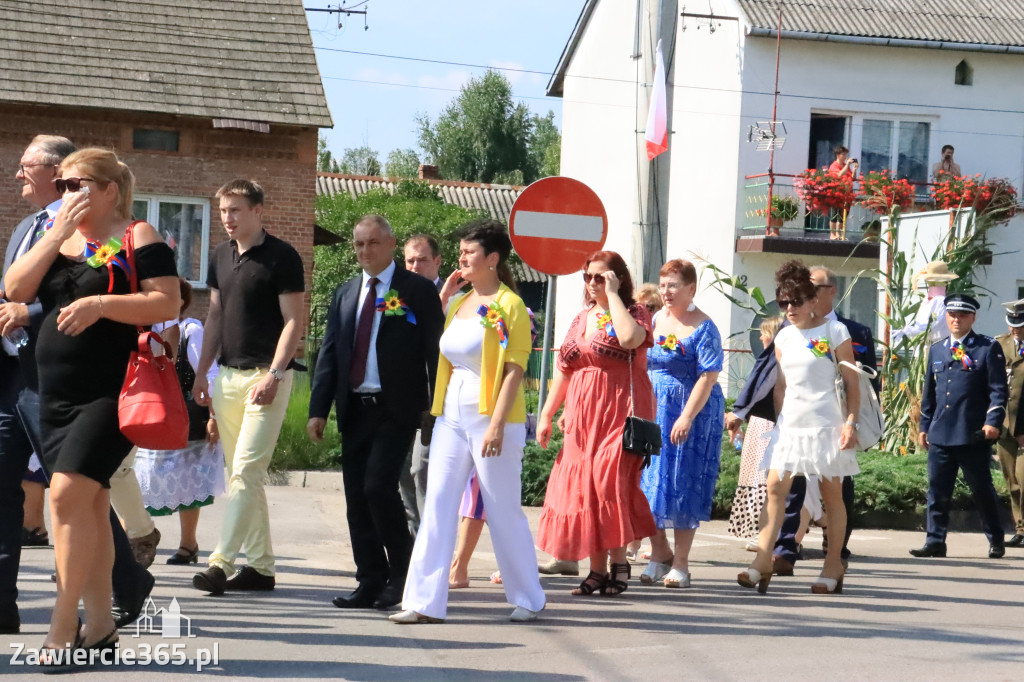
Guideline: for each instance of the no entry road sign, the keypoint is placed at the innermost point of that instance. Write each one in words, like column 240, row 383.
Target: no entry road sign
column 556, row 223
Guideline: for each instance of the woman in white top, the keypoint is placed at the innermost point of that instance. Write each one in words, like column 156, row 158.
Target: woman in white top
column 814, row 435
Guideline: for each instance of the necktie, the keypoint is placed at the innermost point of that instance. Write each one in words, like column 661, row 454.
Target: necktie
column 357, row 369
column 33, row 236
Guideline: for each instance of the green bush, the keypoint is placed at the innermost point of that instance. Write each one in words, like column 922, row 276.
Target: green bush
column 295, row 451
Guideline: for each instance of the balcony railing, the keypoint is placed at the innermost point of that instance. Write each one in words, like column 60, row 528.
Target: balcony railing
column 756, row 202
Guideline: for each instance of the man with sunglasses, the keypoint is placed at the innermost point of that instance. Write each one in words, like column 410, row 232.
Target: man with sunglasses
column 38, row 171
column 787, row 552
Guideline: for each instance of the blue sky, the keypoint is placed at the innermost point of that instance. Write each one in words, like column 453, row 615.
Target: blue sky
column 526, row 34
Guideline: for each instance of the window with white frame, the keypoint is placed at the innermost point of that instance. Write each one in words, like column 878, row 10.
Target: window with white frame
column 898, row 145
column 184, row 223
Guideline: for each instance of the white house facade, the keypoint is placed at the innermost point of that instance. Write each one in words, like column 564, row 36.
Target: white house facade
column 893, row 80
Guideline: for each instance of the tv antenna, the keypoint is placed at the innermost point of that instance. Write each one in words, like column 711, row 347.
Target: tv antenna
column 768, row 135
column 346, row 10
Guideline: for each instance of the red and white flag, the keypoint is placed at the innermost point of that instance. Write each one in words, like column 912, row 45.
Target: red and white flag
column 657, row 128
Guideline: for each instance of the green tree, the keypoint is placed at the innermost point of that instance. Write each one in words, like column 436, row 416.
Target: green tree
column 360, row 161
column 546, row 146
column 481, row 134
column 402, row 163
column 325, row 161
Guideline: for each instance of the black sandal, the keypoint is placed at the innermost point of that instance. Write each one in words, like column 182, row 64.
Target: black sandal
column 614, row 585
column 184, row 556
column 592, row 583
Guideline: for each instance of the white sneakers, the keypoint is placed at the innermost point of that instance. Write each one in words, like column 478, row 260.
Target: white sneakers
column 523, row 615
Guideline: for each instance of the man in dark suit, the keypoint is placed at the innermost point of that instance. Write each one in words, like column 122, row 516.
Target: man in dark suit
column 786, row 550
column 422, row 256
column 19, row 402
column 377, row 365
column 962, row 409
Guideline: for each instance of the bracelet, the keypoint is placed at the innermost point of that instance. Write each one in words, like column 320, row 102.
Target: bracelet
column 100, row 299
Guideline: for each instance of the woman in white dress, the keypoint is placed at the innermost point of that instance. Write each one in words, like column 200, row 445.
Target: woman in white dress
column 814, row 435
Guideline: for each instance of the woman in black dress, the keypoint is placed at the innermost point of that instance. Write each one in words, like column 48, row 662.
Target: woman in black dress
column 83, row 348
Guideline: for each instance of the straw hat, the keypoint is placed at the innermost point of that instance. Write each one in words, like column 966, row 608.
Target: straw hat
column 936, row 272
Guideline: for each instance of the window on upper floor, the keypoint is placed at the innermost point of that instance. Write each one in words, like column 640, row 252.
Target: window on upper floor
column 184, row 223
column 898, row 145
column 964, row 73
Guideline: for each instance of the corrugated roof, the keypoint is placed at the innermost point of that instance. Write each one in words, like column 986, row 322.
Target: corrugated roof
column 977, row 22
column 251, row 60
column 496, row 200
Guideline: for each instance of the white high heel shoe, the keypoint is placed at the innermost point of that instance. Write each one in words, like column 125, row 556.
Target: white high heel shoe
column 753, row 578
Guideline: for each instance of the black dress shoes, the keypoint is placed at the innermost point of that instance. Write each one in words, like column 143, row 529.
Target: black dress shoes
column 936, row 551
column 248, row 578
column 10, row 624
column 211, row 580
column 363, row 597
column 1016, row 541
column 126, row 612
column 391, row 596
column 996, row 551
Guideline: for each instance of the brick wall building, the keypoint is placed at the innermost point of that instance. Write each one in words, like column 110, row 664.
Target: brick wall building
column 186, row 119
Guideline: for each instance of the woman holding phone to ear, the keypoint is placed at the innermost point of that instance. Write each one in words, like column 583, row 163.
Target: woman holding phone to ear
column 594, row 505
column 78, row 271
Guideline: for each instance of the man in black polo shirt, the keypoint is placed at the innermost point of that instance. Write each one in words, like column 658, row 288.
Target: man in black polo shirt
column 253, row 328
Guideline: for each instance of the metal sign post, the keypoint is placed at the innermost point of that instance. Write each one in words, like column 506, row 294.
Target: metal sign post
column 549, row 328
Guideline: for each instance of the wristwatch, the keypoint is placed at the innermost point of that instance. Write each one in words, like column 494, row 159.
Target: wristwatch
column 277, row 374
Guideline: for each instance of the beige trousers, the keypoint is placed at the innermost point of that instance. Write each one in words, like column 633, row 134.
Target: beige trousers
column 126, row 499
column 249, row 435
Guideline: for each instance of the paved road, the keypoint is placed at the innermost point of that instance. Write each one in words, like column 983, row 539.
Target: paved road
column 899, row 618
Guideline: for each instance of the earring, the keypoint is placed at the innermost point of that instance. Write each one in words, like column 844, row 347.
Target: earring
column 491, row 268
column 813, row 315
column 690, row 308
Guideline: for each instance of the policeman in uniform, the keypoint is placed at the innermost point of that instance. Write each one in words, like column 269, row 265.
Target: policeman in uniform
column 1010, row 439
column 962, row 412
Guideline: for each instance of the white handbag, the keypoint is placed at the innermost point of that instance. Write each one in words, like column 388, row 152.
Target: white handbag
column 870, row 420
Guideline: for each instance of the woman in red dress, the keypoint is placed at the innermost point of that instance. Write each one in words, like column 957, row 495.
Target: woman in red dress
column 594, row 505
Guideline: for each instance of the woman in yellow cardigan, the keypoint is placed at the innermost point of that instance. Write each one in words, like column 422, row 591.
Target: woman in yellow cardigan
column 481, row 412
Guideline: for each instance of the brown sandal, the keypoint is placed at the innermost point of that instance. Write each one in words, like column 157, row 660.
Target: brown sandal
column 592, row 583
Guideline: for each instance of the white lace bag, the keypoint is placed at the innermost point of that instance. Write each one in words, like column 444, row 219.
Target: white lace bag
column 870, row 420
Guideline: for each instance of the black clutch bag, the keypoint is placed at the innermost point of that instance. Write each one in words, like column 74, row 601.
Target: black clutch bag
column 642, row 437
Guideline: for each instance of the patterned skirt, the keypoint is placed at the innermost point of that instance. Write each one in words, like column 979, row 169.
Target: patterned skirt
column 752, row 487
column 176, row 480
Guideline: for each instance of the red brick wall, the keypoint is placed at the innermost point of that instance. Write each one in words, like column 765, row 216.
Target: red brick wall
column 283, row 162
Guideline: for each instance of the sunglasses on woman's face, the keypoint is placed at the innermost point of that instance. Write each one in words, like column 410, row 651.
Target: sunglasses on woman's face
column 597, row 278
column 785, row 304
column 70, row 184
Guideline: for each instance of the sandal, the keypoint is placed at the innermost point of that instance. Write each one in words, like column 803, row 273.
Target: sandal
column 592, row 583
column 615, row 584
column 34, row 537
column 184, row 556
column 496, row 577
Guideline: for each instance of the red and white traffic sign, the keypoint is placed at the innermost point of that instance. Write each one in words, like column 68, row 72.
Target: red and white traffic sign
column 556, row 223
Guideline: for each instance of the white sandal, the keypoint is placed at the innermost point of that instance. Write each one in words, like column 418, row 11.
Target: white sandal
column 654, row 572
column 677, row 578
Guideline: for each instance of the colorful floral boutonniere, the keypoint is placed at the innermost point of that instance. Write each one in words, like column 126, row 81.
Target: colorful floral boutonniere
column 392, row 304
column 961, row 356
column 670, row 343
column 493, row 317
column 604, row 321
column 98, row 255
column 820, row 348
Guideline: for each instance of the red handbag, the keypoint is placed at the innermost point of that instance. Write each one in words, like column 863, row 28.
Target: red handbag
column 151, row 409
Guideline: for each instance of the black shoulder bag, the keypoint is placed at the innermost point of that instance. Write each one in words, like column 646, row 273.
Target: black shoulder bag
column 641, row 437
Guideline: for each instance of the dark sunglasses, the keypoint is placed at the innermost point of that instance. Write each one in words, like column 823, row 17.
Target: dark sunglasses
column 70, row 184
column 785, row 304
column 652, row 309
column 587, row 277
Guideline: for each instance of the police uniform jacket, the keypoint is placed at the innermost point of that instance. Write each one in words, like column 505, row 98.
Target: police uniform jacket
column 958, row 401
column 1013, row 423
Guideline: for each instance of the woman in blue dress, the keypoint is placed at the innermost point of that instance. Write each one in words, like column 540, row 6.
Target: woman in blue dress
column 683, row 365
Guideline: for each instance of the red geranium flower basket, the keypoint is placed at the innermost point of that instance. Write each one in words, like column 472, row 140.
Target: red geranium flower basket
column 823, row 192
column 880, row 192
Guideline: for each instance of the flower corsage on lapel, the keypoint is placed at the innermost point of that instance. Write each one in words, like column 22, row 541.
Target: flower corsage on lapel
column 392, row 304
column 98, row 255
column 604, row 321
column 671, row 344
column 961, row 356
column 820, row 348
column 493, row 317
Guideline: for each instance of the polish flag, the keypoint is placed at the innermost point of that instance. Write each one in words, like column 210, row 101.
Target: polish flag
column 657, row 130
